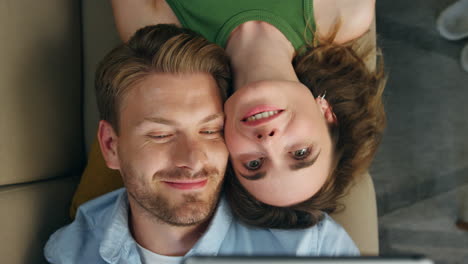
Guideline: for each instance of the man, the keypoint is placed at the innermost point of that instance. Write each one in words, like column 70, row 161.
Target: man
column 160, row 99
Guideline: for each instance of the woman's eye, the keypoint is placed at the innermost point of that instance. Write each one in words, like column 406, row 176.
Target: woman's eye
column 254, row 164
column 301, row 153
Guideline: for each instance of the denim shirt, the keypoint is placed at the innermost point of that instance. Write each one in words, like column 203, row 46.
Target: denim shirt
column 100, row 234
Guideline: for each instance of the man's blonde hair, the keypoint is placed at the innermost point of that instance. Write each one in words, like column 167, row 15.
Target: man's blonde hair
column 156, row 49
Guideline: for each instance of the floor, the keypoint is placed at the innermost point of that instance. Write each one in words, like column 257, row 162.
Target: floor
column 426, row 228
column 423, row 159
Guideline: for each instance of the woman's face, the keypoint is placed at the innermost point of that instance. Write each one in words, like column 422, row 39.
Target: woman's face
column 278, row 140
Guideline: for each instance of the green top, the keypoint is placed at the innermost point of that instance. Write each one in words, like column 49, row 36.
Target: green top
column 216, row 19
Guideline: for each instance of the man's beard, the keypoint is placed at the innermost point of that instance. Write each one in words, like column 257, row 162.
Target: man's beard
column 192, row 210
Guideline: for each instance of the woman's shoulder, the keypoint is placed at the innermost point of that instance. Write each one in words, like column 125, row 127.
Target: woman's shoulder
column 353, row 17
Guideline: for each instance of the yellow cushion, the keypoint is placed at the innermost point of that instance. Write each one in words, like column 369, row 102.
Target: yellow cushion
column 97, row 179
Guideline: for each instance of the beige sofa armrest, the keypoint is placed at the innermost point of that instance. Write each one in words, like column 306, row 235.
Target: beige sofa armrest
column 359, row 217
column 41, row 128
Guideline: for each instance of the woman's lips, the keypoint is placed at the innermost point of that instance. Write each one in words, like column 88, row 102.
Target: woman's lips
column 262, row 120
column 260, row 109
column 187, row 185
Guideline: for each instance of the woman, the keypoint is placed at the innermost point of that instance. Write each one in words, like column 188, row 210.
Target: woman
column 303, row 120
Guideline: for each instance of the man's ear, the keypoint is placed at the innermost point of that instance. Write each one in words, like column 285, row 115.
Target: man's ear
column 108, row 141
column 326, row 110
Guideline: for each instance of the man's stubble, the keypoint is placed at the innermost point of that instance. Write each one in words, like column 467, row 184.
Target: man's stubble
column 191, row 210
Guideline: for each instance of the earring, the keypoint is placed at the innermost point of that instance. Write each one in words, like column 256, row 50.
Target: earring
column 323, row 95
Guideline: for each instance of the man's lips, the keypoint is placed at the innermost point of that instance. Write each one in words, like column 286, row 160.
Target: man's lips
column 187, row 184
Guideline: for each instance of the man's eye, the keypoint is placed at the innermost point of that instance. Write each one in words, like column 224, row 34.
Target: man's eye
column 301, row 153
column 212, row 131
column 254, row 164
column 160, row 136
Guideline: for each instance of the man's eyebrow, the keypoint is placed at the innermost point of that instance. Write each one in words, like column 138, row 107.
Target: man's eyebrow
column 256, row 176
column 304, row 164
column 212, row 117
column 160, row 120
column 168, row 122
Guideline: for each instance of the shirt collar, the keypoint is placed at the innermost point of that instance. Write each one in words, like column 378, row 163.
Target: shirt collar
column 210, row 243
column 117, row 240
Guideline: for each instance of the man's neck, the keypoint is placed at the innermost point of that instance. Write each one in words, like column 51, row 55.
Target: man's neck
column 160, row 237
column 259, row 51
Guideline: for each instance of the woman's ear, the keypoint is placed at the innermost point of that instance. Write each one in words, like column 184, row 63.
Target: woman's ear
column 108, row 141
column 326, row 110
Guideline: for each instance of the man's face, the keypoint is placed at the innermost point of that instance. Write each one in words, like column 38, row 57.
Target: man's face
column 170, row 146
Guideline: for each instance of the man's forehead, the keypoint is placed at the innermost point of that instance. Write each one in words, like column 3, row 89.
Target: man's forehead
column 180, row 81
column 181, row 99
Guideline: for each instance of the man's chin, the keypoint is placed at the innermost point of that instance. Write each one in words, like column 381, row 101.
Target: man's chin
column 188, row 214
column 177, row 210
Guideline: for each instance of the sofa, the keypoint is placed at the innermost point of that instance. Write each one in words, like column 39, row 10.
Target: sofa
column 48, row 120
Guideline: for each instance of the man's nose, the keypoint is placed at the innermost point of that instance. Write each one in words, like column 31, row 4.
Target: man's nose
column 190, row 154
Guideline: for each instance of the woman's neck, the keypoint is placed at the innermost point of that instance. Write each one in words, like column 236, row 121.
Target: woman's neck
column 259, row 51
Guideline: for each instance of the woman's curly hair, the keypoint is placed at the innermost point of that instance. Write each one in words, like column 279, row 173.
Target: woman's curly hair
column 355, row 94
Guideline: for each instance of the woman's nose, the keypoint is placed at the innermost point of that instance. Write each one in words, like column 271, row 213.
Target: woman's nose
column 264, row 135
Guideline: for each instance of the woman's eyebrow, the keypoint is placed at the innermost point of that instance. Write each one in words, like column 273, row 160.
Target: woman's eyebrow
column 296, row 166
column 304, row 164
column 256, row 176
